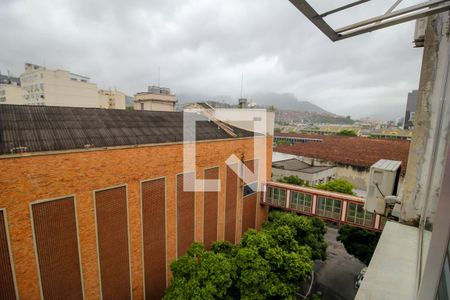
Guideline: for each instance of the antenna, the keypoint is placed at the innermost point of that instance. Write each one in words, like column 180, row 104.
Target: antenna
column 242, row 83
column 159, row 76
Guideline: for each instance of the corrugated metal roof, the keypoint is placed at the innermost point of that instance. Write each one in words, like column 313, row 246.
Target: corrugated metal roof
column 387, row 165
column 25, row 128
column 294, row 164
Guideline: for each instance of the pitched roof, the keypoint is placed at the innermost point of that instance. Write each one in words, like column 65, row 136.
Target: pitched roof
column 25, row 128
column 294, row 164
column 354, row 151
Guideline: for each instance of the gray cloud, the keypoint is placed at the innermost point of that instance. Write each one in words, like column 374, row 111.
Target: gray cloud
column 202, row 46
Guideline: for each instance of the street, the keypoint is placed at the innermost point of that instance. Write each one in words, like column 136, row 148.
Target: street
column 335, row 277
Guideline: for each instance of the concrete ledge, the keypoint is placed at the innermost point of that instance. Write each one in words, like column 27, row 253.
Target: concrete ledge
column 392, row 270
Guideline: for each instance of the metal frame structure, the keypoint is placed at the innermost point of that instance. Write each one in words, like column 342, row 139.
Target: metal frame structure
column 390, row 18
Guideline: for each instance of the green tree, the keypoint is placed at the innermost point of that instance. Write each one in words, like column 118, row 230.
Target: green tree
column 307, row 230
column 337, row 185
column 282, row 142
column 201, row 274
column 347, row 132
column 268, row 264
column 359, row 242
column 293, row 179
column 277, row 130
column 271, row 264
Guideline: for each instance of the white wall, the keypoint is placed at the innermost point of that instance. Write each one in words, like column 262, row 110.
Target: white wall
column 11, row 94
column 56, row 88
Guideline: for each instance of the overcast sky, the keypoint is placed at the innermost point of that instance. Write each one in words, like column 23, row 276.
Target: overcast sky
column 203, row 46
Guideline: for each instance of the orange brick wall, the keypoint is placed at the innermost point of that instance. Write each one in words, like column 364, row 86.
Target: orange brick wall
column 38, row 177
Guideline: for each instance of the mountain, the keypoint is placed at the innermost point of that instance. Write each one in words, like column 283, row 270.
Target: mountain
column 281, row 101
column 285, row 101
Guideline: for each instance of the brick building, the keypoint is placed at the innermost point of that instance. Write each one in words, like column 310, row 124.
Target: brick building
column 352, row 156
column 92, row 202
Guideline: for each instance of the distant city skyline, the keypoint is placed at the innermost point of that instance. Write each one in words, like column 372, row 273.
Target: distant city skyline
column 203, row 46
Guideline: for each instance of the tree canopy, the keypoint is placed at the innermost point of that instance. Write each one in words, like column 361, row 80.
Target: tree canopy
column 337, row 185
column 359, row 242
column 269, row 264
column 307, row 230
column 346, row 132
column 292, row 179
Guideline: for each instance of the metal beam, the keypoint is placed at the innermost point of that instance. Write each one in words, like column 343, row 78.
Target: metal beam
column 391, row 15
column 314, row 17
column 390, row 9
column 342, row 8
column 399, row 20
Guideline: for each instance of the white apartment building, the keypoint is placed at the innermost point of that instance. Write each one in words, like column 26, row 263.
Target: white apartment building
column 41, row 86
column 111, row 99
column 156, row 98
column 10, row 94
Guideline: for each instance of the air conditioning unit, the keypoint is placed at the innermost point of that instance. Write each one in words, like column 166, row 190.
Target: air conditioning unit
column 383, row 181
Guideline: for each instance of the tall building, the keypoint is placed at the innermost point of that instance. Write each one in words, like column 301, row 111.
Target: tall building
column 94, row 202
column 156, row 99
column 42, row 86
column 411, row 104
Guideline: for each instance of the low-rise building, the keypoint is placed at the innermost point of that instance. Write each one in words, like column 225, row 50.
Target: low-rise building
column 310, row 174
column 156, row 99
column 111, row 99
column 352, row 156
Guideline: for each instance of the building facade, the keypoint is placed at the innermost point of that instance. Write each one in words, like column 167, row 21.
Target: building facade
column 10, row 94
column 41, row 86
column 352, row 156
column 111, row 99
column 311, row 175
column 156, row 99
column 107, row 218
column 410, row 111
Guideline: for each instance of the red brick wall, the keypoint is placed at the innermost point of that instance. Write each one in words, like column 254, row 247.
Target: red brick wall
column 29, row 178
column 185, row 213
column 210, row 206
column 55, row 231
column 112, row 236
column 230, row 205
column 7, row 290
column 154, row 237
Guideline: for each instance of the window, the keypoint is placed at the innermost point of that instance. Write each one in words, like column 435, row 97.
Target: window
column 358, row 215
column 277, row 196
column 142, row 106
column 301, row 201
column 250, row 188
column 329, row 208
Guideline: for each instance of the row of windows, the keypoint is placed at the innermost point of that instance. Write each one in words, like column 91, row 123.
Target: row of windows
column 301, row 201
column 276, row 196
column 327, row 207
column 358, row 215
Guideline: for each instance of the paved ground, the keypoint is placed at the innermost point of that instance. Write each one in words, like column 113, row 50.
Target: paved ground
column 335, row 277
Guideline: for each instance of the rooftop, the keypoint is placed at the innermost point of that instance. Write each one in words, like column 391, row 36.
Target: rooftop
column 25, row 128
column 294, row 164
column 354, row 151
